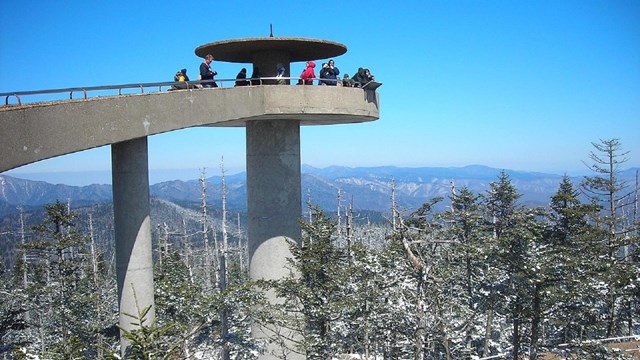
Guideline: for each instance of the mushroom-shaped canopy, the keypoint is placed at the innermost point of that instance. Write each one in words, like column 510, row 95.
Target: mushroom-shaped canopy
column 243, row 50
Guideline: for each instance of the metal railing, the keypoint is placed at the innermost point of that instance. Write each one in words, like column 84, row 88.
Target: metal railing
column 169, row 85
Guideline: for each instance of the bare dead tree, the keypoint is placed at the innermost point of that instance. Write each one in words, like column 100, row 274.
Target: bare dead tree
column 242, row 248
column 216, row 263
column 635, row 202
column 163, row 242
column 338, row 216
column 224, row 316
column 309, row 206
column 401, row 229
column 23, row 241
column 188, row 252
column 349, row 229
column 97, row 287
column 24, row 252
column 205, row 228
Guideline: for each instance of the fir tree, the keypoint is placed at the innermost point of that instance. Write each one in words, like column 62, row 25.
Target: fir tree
column 60, row 283
column 619, row 243
column 509, row 253
column 315, row 292
column 464, row 226
column 570, row 253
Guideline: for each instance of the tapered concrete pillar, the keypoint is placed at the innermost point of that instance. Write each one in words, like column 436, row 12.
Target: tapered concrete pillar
column 274, row 204
column 134, row 263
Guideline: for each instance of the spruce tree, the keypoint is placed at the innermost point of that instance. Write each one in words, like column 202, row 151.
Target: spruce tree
column 570, row 274
column 618, row 242
column 182, row 305
column 13, row 309
column 62, row 285
column 464, row 227
column 314, row 296
column 509, row 255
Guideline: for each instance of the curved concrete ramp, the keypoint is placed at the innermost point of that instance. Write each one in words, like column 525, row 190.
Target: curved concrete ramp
column 35, row 132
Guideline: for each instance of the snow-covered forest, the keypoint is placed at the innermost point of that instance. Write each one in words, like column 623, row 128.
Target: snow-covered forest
column 487, row 277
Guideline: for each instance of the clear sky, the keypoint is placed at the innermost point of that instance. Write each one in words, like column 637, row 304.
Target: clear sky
column 523, row 85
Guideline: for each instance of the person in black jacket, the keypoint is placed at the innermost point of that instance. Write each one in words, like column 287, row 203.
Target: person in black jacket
column 362, row 77
column 324, row 74
column 240, row 78
column 255, row 76
column 205, row 71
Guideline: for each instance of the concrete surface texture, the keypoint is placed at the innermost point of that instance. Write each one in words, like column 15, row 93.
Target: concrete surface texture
column 134, row 263
column 35, row 132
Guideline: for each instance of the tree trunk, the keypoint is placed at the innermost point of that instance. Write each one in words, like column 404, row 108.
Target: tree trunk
column 535, row 325
column 97, row 289
column 223, row 267
column 205, row 229
column 421, row 330
column 516, row 327
column 611, row 306
column 188, row 252
column 487, row 333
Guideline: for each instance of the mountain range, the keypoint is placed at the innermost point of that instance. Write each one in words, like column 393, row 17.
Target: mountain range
column 366, row 188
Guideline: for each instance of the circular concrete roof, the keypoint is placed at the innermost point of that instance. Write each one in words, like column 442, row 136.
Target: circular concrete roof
column 242, row 50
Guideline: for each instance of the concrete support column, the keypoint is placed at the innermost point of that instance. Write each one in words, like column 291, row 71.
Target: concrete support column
column 134, row 263
column 274, row 203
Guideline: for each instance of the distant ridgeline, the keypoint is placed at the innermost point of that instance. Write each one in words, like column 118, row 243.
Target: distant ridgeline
column 364, row 188
column 177, row 204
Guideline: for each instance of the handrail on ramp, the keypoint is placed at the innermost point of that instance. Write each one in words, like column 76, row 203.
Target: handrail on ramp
column 171, row 85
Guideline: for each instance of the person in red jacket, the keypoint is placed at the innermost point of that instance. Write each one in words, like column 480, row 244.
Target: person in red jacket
column 308, row 75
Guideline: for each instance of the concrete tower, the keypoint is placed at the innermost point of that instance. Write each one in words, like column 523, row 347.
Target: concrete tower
column 272, row 116
column 273, row 156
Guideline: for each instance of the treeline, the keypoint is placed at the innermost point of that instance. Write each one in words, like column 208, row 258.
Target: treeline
column 487, row 276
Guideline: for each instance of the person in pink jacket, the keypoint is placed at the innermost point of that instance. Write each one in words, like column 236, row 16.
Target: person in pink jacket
column 308, row 75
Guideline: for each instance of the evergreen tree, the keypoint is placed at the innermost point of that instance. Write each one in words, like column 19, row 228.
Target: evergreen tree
column 509, row 253
column 13, row 308
column 183, row 305
column 377, row 311
column 61, row 284
column 320, row 264
column 314, row 296
column 618, row 244
column 464, row 226
column 150, row 341
column 569, row 272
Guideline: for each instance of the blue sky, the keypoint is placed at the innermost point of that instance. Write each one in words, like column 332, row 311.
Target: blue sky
column 523, row 85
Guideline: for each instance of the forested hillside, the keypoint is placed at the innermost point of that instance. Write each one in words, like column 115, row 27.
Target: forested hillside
column 485, row 276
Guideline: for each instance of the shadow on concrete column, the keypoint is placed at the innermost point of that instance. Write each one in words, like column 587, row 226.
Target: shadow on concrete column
column 274, row 204
column 134, row 262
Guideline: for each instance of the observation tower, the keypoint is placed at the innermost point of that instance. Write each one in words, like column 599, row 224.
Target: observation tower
column 273, row 142
column 272, row 115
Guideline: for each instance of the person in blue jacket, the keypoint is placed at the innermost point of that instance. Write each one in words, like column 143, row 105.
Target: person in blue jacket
column 332, row 74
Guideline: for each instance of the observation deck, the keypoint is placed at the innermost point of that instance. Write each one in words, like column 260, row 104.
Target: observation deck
column 31, row 132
